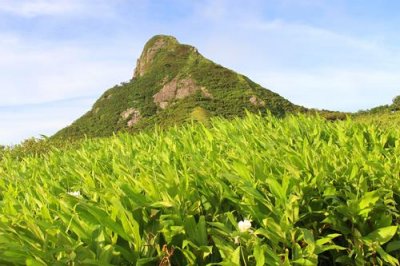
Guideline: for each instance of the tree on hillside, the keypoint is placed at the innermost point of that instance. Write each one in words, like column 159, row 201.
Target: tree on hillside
column 396, row 103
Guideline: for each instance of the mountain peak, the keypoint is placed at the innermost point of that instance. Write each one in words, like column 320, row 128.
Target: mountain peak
column 173, row 83
column 150, row 50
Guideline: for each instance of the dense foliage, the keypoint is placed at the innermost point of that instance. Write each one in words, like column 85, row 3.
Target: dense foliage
column 396, row 103
column 384, row 115
column 230, row 94
column 36, row 147
column 389, row 119
column 382, row 109
column 311, row 191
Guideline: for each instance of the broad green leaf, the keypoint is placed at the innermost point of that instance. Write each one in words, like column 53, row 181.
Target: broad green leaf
column 304, row 262
column 393, row 246
column 34, row 262
column 235, row 257
column 381, row 235
column 259, row 255
column 386, row 257
column 367, row 202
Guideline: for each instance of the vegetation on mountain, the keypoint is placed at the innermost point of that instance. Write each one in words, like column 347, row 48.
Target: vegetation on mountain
column 253, row 191
column 395, row 106
column 37, row 147
column 396, row 103
column 171, row 81
column 384, row 115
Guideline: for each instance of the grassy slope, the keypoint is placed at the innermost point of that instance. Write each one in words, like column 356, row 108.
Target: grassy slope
column 384, row 115
column 385, row 118
column 231, row 93
column 314, row 191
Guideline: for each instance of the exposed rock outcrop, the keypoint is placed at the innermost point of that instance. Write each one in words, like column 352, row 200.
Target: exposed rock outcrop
column 150, row 51
column 178, row 89
column 256, row 102
column 133, row 115
column 206, row 93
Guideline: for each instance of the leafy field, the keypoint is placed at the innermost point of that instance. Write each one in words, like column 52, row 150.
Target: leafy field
column 256, row 191
column 385, row 119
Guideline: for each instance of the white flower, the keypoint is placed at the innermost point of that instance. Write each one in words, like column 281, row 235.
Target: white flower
column 237, row 240
column 244, row 225
column 74, row 193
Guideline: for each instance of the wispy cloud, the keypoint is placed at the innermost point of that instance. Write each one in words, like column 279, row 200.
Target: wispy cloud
column 49, row 71
column 310, row 65
column 54, row 8
column 24, row 121
column 334, row 89
column 308, row 33
column 32, row 8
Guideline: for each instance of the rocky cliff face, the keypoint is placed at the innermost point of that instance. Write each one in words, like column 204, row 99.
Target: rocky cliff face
column 173, row 83
column 150, row 50
column 178, row 89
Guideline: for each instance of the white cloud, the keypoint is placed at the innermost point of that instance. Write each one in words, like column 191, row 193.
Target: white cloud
column 24, row 121
column 227, row 11
column 214, row 10
column 35, row 8
column 308, row 33
column 309, row 65
column 334, row 89
column 36, row 72
column 32, row 8
column 52, row 71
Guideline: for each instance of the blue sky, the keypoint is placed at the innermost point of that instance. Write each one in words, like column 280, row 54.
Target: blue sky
column 58, row 56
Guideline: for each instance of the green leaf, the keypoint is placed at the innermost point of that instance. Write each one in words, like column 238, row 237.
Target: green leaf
column 393, row 246
column 202, row 231
column 235, row 258
column 304, row 262
column 259, row 255
column 103, row 218
column 326, row 239
column 323, row 244
column 368, row 202
column 386, row 257
column 34, row 262
column 276, row 189
column 381, row 235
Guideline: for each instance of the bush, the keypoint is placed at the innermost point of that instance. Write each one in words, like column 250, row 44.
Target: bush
column 396, row 104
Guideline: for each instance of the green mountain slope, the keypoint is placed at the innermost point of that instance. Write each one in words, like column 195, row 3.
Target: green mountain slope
column 174, row 83
column 388, row 115
column 387, row 108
